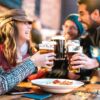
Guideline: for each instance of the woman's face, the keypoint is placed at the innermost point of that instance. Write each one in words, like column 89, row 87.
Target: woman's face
column 24, row 30
column 70, row 30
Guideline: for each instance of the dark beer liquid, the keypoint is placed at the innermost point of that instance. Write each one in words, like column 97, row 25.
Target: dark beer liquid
column 60, row 49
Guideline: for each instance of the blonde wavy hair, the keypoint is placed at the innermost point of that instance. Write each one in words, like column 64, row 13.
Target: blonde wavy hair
column 8, row 33
column 8, row 40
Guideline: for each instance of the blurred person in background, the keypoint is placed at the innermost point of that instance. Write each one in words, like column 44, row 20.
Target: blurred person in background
column 15, row 48
column 58, row 32
column 73, row 29
column 36, row 35
column 89, row 11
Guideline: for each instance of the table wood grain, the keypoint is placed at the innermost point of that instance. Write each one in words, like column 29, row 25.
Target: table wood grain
column 67, row 96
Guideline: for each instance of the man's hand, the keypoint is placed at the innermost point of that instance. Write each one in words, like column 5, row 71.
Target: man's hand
column 83, row 61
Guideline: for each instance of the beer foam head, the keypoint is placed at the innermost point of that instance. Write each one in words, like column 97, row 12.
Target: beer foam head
column 49, row 42
column 72, row 43
column 75, row 49
column 58, row 38
column 49, row 45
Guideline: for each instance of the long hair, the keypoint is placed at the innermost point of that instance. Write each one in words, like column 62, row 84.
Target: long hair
column 8, row 40
column 9, row 34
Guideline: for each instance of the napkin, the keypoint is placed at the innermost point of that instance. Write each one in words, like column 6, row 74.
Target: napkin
column 37, row 96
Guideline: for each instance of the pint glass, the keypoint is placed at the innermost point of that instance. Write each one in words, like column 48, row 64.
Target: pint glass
column 60, row 47
column 47, row 47
column 72, row 48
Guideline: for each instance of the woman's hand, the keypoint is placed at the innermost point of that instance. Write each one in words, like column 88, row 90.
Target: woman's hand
column 43, row 60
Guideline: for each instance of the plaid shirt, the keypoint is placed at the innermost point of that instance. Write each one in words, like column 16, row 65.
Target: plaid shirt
column 9, row 79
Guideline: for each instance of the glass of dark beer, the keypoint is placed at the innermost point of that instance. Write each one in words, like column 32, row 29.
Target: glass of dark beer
column 59, row 47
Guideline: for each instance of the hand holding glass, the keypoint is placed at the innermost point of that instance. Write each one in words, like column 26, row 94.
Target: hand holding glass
column 71, row 50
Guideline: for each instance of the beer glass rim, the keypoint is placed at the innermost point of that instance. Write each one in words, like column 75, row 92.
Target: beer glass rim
column 58, row 38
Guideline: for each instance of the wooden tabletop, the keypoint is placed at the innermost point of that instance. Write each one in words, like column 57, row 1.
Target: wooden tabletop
column 67, row 96
column 13, row 97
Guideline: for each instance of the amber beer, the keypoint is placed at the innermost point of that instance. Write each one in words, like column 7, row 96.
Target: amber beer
column 46, row 47
column 71, row 50
column 60, row 47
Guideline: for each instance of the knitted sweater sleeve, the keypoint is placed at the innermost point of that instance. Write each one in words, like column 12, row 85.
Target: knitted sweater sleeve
column 9, row 79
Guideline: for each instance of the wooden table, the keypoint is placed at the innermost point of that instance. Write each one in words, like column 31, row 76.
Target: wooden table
column 67, row 96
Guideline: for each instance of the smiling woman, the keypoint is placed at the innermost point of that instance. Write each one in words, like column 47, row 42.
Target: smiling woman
column 15, row 35
column 15, row 48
